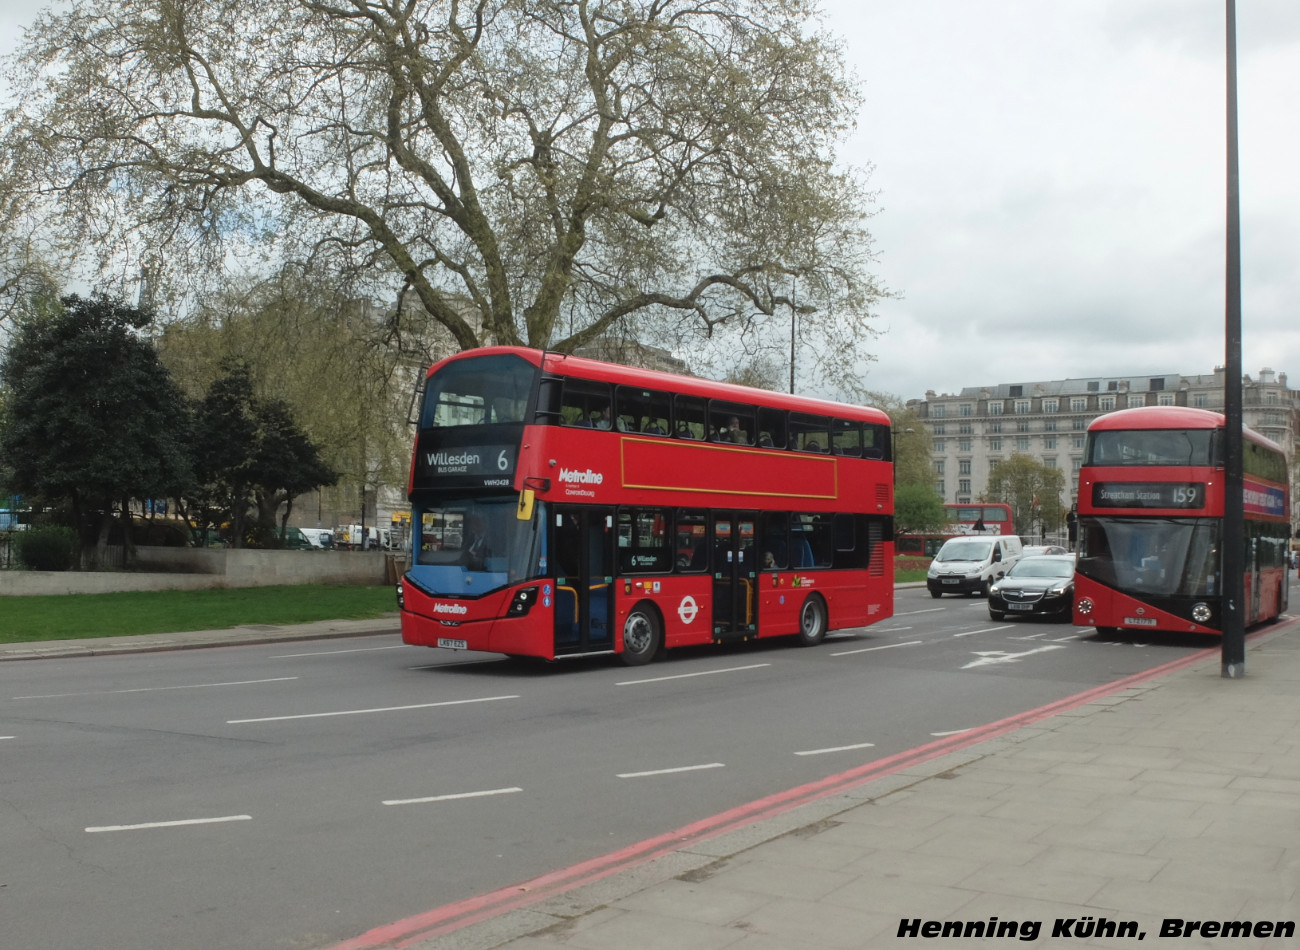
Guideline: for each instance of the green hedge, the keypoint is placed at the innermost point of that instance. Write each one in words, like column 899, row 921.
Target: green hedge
column 49, row 548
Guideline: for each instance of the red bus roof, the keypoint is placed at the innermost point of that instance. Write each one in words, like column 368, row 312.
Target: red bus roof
column 1171, row 417
column 564, row 364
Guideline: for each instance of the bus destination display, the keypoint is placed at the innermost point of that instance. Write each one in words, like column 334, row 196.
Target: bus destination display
column 1148, row 495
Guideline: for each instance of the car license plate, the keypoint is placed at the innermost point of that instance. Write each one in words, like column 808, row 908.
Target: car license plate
column 1020, row 606
column 951, row 580
column 452, row 644
column 1140, row 621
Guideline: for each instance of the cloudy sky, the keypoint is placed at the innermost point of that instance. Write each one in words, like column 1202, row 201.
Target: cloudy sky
column 1051, row 180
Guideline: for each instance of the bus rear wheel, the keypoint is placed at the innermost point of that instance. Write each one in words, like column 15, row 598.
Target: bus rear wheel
column 642, row 635
column 812, row 621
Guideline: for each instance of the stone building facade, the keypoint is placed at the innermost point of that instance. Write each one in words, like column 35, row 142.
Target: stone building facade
column 972, row 431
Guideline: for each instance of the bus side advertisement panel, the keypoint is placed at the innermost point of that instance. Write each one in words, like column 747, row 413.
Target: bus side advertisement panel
column 686, row 467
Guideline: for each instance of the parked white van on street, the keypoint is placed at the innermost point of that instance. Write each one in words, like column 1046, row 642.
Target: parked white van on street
column 970, row 565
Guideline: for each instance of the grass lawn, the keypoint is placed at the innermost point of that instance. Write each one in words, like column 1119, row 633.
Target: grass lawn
column 79, row 616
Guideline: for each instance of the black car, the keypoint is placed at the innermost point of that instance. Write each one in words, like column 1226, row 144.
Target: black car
column 1035, row 587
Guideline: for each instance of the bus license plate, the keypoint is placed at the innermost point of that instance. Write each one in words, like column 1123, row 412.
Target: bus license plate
column 1140, row 621
column 452, row 644
column 1020, row 606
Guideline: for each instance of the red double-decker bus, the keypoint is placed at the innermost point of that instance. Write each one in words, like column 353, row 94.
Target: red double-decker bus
column 1151, row 496
column 565, row 507
column 981, row 517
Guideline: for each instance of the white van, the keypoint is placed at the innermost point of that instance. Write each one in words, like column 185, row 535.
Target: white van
column 969, row 565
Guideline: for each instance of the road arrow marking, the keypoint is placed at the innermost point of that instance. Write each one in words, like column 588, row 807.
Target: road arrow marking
column 998, row 656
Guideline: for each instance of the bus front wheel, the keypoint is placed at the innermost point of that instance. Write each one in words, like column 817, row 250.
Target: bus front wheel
column 812, row 621
column 642, row 635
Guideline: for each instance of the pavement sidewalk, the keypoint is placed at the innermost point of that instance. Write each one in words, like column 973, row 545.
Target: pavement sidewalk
column 196, row 639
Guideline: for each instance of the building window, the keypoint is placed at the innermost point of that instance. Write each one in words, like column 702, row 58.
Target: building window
column 1137, row 401
column 1165, row 399
column 995, row 427
column 1050, row 462
column 938, row 466
column 1049, row 441
column 963, row 467
column 939, row 411
column 1050, row 405
column 1076, row 463
column 964, row 428
column 1157, row 384
column 963, row 486
column 963, row 445
column 993, row 465
column 965, row 409
column 1022, row 445
column 1200, row 400
column 940, row 445
column 1022, row 406
column 1106, row 403
column 1078, row 441
column 1049, row 425
column 1017, row 391
column 1079, row 405
column 995, row 445
column 939, row 489
column 995, row 407
column 1022, row 426
column 1080, row 424
column 940, row 429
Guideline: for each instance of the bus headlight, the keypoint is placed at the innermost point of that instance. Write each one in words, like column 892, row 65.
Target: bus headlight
column 523, row 602
column 1201, row 612
column 1084, row 606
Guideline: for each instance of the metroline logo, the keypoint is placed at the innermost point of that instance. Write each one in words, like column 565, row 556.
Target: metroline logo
column 573, row 476
column 450, row 609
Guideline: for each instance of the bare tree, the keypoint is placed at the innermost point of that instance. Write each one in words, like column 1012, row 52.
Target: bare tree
column 562, row 165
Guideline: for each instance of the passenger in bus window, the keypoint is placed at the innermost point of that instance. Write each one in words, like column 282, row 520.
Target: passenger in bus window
column 603, row 418
column 733, row 432
column 653, row 428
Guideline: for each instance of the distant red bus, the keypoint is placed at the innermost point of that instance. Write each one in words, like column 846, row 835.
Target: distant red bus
column 980, row 518
column 566, row 507
column 1151, row 522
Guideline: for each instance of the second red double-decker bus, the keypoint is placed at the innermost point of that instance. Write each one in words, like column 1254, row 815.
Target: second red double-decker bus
column 567, row 507
column 1151, row 496
column 981, row 517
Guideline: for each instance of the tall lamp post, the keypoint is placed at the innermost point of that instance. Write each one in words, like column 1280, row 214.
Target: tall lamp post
column 1233, row 620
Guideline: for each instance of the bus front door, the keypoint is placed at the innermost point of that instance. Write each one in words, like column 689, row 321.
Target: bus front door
column 735, row 575
column 582, row 551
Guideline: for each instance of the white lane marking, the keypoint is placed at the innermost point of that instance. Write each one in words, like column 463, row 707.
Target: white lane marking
column 891, row 629
column 887, row 646
column 928, row 610
column 290, row 656
column 168, row 824
column 971, row 633
column 841, row 748
column 998, row 656
column 683, row 676
column 954, row 732
column 684, row 768
column 8, row 737
column 159, row 689
column 454, row 797
column 1032, row 636
column 1073, row 636
column 362, row 712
